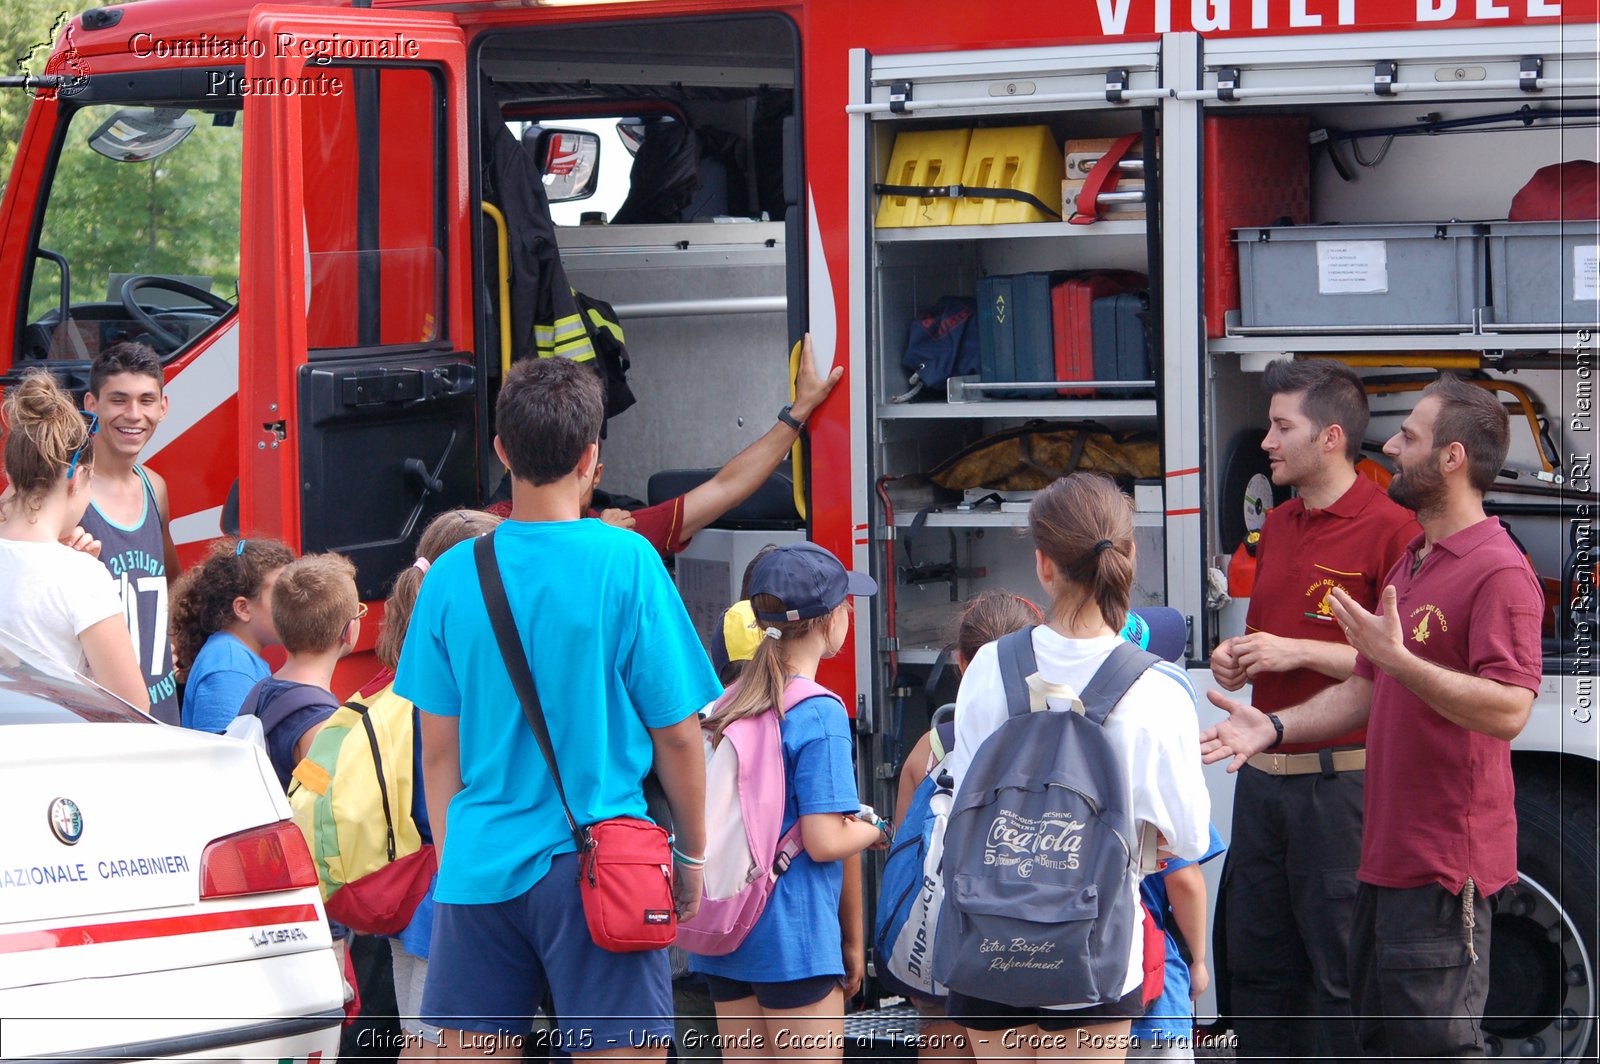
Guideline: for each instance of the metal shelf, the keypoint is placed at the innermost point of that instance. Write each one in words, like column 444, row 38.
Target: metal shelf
column 1106, row 411
column 920, row 234
column 953, row 518
column 1335, row 343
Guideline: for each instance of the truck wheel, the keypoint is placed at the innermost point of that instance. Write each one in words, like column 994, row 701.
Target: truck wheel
column 1542, row 969
column 1247, row 476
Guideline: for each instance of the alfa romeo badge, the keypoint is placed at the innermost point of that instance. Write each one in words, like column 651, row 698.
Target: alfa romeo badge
column 66, row 820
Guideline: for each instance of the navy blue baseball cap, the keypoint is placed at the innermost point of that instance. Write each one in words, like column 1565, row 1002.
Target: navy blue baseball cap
column 807, row 579
column 1159, row 629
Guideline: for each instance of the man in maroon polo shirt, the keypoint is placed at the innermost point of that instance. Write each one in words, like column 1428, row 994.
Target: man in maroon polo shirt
column 1296, row 839
column 1444, row 679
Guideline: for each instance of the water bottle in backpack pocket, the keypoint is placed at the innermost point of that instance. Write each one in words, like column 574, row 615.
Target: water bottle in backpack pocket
column 1040, row 852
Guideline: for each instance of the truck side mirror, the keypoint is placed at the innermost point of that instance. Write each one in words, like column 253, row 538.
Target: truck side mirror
column 569, row 160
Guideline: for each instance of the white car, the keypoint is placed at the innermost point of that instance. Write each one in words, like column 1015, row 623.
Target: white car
column 156, row 901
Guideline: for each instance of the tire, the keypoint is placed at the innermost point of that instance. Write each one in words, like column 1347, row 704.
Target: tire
column 1542, row 967
column 1246, row 459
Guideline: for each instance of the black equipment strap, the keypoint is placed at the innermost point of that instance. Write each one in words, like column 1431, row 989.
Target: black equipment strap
column 966, row 192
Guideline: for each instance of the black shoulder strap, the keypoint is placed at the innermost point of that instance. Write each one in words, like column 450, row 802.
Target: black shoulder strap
column 505, row 633
column 1111, row 681
column 1099, row 697
column 1017, row 663
column 362, row 709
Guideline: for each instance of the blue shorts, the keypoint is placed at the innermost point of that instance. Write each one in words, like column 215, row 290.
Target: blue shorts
column 789, row 994
column 489, row 966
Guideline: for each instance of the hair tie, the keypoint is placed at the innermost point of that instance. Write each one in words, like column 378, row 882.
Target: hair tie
column 422, row 565
column 1032, row 608
column 1103, row 545
column 238, row 550
column 773, row 633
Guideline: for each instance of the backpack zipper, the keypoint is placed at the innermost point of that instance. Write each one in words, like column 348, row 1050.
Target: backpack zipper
column 1094, row 806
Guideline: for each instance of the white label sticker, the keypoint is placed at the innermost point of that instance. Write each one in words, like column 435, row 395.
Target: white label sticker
column 1586, row 271
column 1352, row 267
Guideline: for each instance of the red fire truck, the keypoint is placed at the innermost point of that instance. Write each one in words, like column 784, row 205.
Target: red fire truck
column 304, row 209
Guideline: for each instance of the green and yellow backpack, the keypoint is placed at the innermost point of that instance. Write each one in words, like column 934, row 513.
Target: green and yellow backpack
column 352, row 798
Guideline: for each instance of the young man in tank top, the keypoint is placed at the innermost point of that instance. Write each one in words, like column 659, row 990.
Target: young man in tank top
column 129, row 512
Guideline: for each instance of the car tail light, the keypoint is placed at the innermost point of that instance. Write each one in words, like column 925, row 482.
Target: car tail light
column 256, row 861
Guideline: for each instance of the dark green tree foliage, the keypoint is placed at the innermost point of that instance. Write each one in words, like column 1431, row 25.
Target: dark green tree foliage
column 27, row 28
column 176, row 215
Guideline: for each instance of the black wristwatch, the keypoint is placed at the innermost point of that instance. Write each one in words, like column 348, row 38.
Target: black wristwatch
column 1277, row 725
column 788, row 418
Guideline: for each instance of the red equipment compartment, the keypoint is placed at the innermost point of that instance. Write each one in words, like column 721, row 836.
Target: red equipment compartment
column 1257, row 172
column 1072, row 314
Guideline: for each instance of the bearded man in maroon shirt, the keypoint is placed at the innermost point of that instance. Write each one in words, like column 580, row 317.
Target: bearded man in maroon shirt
column 1444, row 678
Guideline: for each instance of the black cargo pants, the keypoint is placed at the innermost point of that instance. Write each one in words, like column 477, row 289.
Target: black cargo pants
column 1289, row 889
column 1419, row 971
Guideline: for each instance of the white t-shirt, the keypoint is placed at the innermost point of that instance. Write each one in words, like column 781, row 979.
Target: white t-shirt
column 49, row 593
column 1154, row 726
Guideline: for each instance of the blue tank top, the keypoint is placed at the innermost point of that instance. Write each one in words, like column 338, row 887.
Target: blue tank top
column 136, row 557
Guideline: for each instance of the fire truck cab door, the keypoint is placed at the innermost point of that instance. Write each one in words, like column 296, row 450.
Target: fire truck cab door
column 358, row 392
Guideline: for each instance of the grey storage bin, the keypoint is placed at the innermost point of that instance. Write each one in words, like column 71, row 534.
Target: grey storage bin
column 1543, row 275
column 1401, row 277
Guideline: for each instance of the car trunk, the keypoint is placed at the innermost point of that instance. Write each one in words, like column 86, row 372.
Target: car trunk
column 125, row 896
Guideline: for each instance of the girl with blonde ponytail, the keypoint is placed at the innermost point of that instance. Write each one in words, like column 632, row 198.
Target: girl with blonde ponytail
column 59, row 601
column 409, row 949
column 1082, row 530
column 785, row 977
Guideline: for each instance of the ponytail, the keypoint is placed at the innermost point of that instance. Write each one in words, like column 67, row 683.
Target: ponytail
column 442, row 533
column 44, row 431
column 1084, row 524
column 760, row 687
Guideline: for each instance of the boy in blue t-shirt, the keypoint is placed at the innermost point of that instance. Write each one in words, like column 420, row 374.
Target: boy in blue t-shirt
column 621, row 677
column 1176, row 897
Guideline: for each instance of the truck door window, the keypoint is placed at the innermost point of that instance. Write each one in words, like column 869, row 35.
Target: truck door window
column 373, row 210
column 140, row 234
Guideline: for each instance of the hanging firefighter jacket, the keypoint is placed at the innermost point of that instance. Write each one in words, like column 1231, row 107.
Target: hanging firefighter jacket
column 548, row 318
column 610, row 351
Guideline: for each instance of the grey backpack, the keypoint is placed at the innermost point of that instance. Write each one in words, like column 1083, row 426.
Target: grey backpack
column 1040, row 853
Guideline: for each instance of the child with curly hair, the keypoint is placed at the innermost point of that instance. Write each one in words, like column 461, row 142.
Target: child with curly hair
column 221, row 620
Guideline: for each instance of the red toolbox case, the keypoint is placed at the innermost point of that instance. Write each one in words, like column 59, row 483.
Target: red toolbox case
column 1072, row 314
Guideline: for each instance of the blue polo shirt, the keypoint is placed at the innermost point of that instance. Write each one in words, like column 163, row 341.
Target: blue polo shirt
column 612, row 653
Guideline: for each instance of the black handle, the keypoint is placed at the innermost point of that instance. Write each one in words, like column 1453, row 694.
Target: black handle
column 430, row 483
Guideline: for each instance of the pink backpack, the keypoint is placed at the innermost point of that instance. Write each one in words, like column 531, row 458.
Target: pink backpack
column 745, row 793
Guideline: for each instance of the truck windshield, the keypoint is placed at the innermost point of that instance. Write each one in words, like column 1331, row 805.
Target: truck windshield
column 140, row 236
